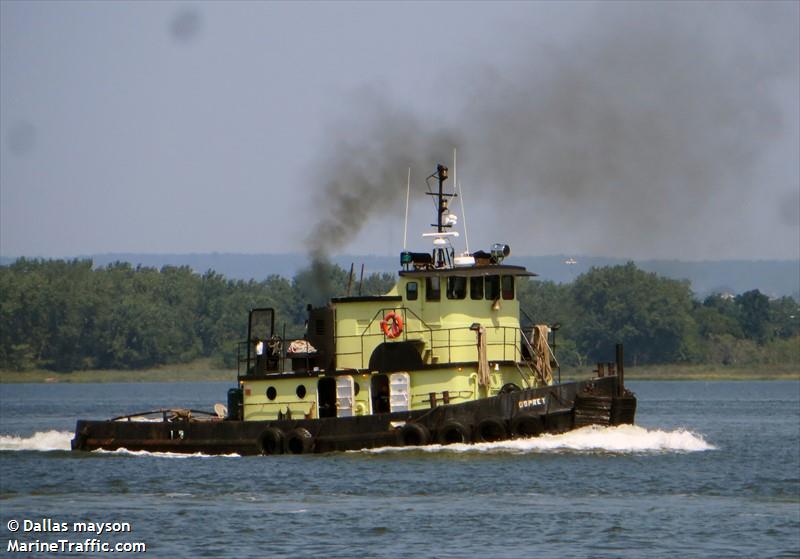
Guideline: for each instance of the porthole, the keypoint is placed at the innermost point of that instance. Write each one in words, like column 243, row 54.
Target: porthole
column 271, row 393
column 301, row 391
column 356, row 388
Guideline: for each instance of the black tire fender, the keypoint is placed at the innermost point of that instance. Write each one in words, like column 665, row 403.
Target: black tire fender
column 491, row 429
column 526, row 426
column 299, row 441
column 453, row 432
column 414, row 434
column 271, row 441
column 509, row 387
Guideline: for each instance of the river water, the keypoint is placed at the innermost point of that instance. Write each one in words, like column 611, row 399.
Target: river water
column 712, row 469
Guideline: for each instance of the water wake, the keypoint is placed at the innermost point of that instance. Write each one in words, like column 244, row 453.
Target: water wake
column 61, row 440
column 621, row 439
column 41, row 440
column 126, row 452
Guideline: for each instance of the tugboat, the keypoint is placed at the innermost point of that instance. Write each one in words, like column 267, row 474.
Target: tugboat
column 442, row 358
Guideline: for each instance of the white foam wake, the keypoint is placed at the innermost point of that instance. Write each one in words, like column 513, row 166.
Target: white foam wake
column 61, row 440
column 126, row 452
column 620, row 439
column 623, row 439
column 41, row 440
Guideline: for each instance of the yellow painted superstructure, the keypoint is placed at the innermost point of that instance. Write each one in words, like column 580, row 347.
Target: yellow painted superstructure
column 442, row 327
column 258, row 406
column 444, row 331
column 452, row 385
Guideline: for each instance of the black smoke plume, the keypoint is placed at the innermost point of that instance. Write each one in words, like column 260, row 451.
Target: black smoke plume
column 640, row 135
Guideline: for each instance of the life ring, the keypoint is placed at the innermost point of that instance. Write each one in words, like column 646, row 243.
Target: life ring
column 271, row 441
column 392, row 325
column 299, row 441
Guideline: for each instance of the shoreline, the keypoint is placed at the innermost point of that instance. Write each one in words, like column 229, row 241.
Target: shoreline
column 202, row 371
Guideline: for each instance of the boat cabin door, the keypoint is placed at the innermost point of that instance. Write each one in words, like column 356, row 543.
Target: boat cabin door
column 345, row 395
column 400, row 390
column 326, row 397
column 379, row 390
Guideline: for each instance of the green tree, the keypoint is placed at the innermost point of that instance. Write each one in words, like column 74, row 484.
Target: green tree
column 67, row 315
column 718, row 315
column 546, row 302
column 754, row 314
column 649, row 314
column 784, row 317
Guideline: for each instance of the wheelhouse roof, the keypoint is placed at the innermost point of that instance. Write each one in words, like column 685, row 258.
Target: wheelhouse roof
column 367, row 299
column 469, row 271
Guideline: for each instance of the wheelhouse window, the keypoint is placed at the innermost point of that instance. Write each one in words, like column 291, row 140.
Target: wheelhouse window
column 433, row 288
column 412, row 291
column 492, row 287
column 456, row 287
column 508, row 287
column 476, row 287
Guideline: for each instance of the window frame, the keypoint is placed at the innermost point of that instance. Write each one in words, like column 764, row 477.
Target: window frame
column 507, row 294
column 473, row 282
column 431, row 294
column 451, row 280
column 494, row 282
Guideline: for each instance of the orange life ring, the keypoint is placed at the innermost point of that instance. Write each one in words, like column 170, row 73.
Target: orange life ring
column 392, row 325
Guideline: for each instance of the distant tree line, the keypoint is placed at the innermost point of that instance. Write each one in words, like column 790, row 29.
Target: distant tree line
column 68, row 315
column 660, row 321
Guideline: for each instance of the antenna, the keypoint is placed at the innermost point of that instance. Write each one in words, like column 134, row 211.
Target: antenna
column 405, row 226
column 463, row 215
column 455, row 170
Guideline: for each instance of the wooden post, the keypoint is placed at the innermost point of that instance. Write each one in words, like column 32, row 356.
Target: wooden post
column 350, row 279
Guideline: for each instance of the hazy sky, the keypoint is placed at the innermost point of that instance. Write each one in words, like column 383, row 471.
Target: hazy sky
column 636, row 130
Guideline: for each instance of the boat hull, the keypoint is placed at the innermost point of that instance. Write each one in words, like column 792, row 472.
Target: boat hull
column 522, row 413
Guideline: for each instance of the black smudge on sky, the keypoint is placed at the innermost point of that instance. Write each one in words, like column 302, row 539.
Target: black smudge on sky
column 646, row 127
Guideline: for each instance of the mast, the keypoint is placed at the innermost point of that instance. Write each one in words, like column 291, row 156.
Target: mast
column 441, row 256
column 441, row 174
